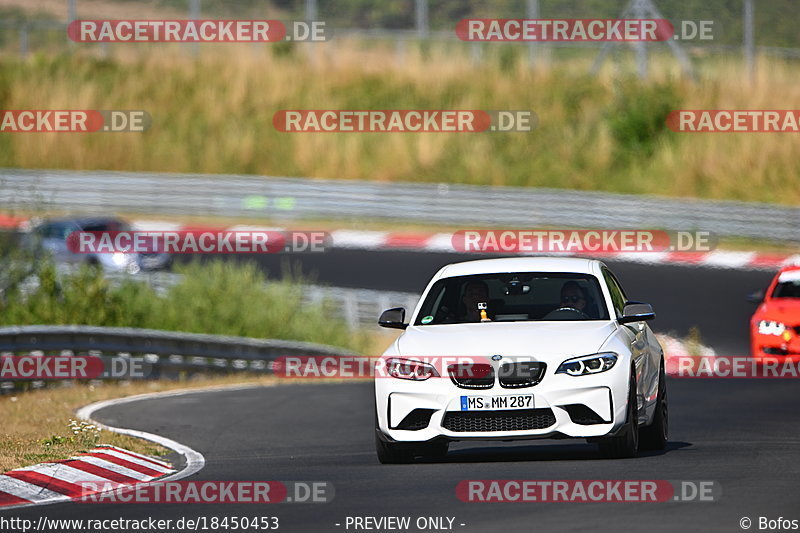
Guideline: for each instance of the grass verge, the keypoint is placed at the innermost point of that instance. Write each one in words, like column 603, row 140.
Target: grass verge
column 36, row 424
column 214, row 114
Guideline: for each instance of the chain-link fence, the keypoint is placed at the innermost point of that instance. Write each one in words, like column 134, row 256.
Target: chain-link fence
column 743, row 28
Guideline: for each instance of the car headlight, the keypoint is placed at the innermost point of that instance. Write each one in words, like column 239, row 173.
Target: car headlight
column 770, row 327
column 119, row 258
column 409, row 369
column 588, row 364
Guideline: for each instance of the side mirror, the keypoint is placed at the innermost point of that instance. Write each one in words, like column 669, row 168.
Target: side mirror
column 756, row 297
column 636, row 312
column 393, row 318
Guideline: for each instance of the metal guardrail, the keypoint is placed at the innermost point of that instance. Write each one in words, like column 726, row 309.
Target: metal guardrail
column 156, row 342
column 285, row 199
column 158, row 353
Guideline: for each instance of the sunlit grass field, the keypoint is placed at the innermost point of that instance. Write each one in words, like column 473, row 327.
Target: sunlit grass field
column 213, row 113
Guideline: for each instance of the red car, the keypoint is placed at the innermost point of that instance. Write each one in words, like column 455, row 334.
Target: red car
column 775, row 326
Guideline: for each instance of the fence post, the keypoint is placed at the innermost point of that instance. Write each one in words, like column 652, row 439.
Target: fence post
column 23, row 40
column 194, row 14
column 749, row 40
column 532, row 12
column 423, row 24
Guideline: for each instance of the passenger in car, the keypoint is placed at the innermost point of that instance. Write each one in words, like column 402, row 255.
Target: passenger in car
column 475, row 292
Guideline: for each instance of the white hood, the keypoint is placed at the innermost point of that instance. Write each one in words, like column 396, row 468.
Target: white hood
column 539, row 340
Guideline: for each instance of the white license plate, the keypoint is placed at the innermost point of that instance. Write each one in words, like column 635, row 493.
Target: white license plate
column 497, row 403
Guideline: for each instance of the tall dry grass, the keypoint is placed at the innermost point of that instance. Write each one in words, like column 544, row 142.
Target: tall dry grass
column 214, row 114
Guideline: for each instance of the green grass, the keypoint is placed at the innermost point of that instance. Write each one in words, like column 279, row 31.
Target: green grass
column 216, row 298
column 214, row 114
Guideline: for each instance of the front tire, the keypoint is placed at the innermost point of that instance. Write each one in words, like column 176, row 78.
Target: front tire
column 654, row 436
column 392, row 453
column 625, row 445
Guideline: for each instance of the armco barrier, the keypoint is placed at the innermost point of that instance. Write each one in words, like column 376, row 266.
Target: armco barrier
column 160, row 353
column 278, row 198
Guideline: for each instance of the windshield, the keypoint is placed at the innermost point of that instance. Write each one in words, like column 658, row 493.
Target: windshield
column 513, row 297
column 787, row 289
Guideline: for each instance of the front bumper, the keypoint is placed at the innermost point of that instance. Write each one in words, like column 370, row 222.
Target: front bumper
column 774, row 347
column 564, row 406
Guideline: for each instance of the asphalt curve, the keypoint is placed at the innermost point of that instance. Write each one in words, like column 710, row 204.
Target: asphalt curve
column 713, row 300
column 741, row 434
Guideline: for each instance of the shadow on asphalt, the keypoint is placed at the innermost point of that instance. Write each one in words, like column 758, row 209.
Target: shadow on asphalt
column 541, row 452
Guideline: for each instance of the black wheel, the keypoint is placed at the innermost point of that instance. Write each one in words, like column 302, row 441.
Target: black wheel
column 627, row 443
column 654, row 436
column 393, row 453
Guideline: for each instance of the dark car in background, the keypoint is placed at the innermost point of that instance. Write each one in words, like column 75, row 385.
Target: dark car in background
column 50, row 237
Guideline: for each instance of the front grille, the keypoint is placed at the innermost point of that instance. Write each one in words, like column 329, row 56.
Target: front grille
column 775, row 351
column 416, row 420
column 519, row 375
column 583, row 415
column 797, row 329
column 485, row 421
column 472, row 375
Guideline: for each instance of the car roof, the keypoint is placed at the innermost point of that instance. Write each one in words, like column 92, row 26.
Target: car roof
column 83, row 221
column 575, row 265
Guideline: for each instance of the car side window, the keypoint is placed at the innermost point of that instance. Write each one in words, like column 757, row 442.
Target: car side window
column 618, row 298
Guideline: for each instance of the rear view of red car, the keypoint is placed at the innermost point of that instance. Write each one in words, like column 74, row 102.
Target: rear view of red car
column 775, row 326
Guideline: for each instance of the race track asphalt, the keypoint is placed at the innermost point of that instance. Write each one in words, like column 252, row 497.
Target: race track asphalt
column 742, row 434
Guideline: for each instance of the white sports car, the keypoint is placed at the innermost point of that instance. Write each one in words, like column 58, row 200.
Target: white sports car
column 521, row 348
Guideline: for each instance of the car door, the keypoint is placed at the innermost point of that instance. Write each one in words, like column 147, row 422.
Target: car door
column 639, row 335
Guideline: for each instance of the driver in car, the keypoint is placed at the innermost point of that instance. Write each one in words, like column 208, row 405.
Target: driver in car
column 574, row 296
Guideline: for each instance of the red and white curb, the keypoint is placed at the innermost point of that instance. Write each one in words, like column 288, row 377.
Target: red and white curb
column 55, row 482
column 442, row 242
column 68, row 479
column 677, row 350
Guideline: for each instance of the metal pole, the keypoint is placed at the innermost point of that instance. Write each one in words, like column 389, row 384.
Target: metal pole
column 72, row 14
column 532, row 12
column 749, row 39
column 639, row 12
column 311, row 10
column 23, row 40
column 194, row 14
column 422, row 18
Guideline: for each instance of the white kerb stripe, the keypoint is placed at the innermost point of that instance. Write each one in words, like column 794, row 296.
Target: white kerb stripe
column 156, row 225
column 126, row 452
column 27, row 491
column 119, row 469
column 135, row 460
column 358, row 239
column 440, row 242
column 63, row 472
column 728, row 259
